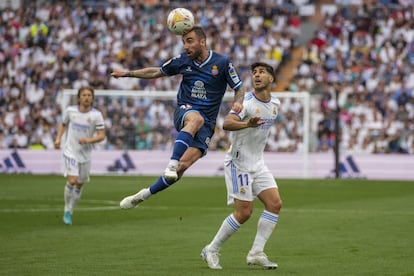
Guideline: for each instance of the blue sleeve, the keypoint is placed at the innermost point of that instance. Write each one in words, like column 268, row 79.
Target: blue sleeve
column 172, row 66
column 232, row 77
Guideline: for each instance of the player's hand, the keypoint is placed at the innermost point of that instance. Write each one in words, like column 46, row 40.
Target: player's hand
column 57, row 144
column 116, row 73
column 237, row 107
column 83, row 141
column 255, row 122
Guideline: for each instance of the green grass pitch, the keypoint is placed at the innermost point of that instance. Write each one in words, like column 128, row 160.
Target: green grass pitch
column 326, row 227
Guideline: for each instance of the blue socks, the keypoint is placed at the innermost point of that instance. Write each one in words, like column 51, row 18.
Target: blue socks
column 161, row 184
column 182, row 142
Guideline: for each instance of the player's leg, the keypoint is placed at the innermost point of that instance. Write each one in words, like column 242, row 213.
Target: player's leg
column 71, row 171
column 232, row 223
column 188, row 122
column 198, row 148
column 83, row 177
column 162, row 183
column 239, row 194
column 68, row 192
column 268, row 193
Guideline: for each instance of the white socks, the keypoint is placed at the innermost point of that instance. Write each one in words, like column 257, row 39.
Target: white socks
column 71, row 195
column 265, row 226
column 229, row 226
column 75, row 197
column 68, row 197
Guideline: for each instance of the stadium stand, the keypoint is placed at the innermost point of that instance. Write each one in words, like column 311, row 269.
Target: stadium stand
column 48, row 46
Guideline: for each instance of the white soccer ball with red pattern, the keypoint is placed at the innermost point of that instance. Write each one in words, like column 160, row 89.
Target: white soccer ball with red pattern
column 180, row 21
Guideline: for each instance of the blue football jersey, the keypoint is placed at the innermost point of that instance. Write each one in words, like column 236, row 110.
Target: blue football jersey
column 203, row 85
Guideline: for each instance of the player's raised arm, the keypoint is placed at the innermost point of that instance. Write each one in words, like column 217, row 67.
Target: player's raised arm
column 238, row 100
column 232, row 122
column 145, row 73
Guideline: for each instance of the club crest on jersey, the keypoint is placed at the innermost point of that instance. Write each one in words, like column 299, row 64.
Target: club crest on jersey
column 274, row 111
column 214, row 70
column 257, row 111
column 233, row 74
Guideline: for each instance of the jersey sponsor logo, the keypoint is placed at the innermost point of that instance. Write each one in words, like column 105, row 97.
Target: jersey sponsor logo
column 199, row 91
column 79, row 127
column 233, row 74
column 214, row 70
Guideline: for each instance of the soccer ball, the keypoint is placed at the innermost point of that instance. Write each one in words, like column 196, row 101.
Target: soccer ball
column 180, row 21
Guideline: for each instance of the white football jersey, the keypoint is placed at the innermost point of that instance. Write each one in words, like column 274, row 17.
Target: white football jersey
column 80, row 125
column 247, row 145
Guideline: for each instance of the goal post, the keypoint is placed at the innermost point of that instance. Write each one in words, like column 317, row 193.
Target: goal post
column 69, row 97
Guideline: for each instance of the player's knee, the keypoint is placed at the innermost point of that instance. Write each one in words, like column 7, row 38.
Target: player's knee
column 274, row 206
column 200, row 119
column 243, row 215
column 197, row 120
column 73, row 181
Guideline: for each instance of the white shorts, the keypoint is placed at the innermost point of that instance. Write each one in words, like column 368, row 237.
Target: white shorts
column 244, row 185
column 73, row 168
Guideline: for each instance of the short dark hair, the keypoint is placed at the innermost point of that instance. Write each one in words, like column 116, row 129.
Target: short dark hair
column 199, row 32
column 268, row 68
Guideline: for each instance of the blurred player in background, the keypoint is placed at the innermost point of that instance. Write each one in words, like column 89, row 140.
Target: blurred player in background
column 246, row 174
column 79, row 124
column 205, row 76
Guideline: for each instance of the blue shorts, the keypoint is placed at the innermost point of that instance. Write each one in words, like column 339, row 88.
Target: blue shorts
column 203, row 137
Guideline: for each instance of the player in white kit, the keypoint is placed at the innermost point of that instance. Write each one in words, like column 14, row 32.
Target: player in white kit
column 246, row 173
column 82, row 127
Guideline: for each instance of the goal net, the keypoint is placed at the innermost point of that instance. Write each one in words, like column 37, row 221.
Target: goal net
column 143, row 120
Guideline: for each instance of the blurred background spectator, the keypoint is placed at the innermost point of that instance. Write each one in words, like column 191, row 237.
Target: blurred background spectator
column 48, row 46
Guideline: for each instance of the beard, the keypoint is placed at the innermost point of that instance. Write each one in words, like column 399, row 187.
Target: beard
column 196, row 54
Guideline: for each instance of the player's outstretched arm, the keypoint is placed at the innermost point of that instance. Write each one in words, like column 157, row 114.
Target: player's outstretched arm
column 145, row 73
column 232, row 122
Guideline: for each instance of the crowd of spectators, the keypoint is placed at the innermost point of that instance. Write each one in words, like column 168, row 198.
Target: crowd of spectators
column 49, row 46
column 365, row 54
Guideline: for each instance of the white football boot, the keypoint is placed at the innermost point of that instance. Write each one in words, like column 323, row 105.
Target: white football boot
column 211, row 258
column 133, row 200
column 260, row 258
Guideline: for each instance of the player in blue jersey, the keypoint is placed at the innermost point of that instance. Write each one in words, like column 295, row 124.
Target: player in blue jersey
column 83, row 126
column 246, row 173
column 205, row 76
